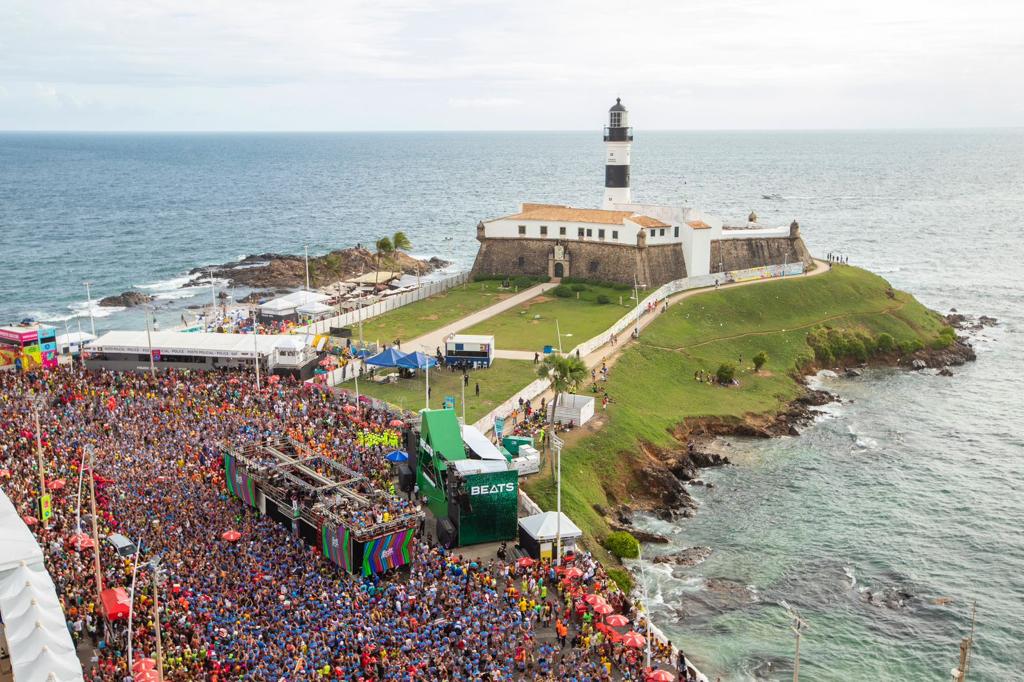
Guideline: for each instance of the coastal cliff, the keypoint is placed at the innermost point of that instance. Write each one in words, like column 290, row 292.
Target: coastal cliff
column 274, row 270
column 665, row 406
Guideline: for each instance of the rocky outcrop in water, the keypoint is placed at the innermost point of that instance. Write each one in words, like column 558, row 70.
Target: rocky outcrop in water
column 126, row 299
column 691, row 556
column 270, row 270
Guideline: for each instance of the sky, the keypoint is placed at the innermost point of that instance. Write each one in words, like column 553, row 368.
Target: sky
column 298, row 65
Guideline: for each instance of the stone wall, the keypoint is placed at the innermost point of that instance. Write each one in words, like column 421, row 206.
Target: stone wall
column 595, row 261
column 740, row 254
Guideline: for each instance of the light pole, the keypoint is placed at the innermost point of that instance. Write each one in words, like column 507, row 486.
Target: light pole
column 95, row 526
column 157, row 578
column 149, row 340
column 557, row 443
column 88, row 298
column 558, row 331
column 38, row 400
column 131, row 600
column 256, row 350
column 213, row 303
column 636, row 295
column 78, row 508
column 798, row 625
column 647, row 604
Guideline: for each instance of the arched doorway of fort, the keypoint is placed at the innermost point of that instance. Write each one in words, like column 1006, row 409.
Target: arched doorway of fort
column 559, row 270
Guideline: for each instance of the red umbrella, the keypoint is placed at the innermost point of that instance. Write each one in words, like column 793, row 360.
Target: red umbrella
column 80, row 541
column 573, row 573
column 634, row 640
column 147, row 676
column 349, row 408
column 30, row 520
column 5, row 473
column 660, row 676
column 231, row 536
column 396, row 423
column 604, row 608
column 143, row 664
column 616, row 620
column 613, row 635
column 525, row 562
column 593, row 598
column 56, row 484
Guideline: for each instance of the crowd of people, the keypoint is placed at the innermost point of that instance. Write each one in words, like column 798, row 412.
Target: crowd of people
column 270, row 607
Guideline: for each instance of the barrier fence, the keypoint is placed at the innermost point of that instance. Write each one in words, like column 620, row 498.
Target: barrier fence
column 353, row 317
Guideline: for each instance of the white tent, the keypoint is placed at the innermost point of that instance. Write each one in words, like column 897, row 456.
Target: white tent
column 73, row 341
column 314, row 308
column 544, row 526
column 36, row 631
column 478, row 443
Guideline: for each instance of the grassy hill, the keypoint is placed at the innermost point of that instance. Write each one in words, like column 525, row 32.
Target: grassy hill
column 652, row 384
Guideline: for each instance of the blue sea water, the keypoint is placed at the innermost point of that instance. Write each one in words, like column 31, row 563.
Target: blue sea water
column 913, row 484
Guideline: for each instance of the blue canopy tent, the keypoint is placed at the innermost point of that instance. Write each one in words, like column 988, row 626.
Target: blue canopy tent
column 397, row 456
column 418, row 360
column 389, row 358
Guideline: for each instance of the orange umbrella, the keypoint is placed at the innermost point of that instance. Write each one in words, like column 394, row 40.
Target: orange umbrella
column 231, row 536
column 634, row 640
column 616, row 620
column 660, row 676
column 603, row 608
column 80, row 541
column 56, row 484
column 143, row 664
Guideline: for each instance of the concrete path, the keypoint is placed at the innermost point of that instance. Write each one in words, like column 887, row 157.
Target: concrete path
column 436, row 338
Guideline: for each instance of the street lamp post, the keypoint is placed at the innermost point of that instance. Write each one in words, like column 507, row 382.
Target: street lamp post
column 131, row 600
column 149, row 340
column 636, row 295
column 557, row 442
column 37, row 403
column 95, row 526
column 88, row 298
column 798, row 625
column 647, row 606
column 157, row 578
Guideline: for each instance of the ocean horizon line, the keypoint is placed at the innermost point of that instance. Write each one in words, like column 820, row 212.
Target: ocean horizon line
column 880, row 129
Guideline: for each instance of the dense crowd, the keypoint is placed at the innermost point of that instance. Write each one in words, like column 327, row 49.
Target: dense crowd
column 269, row 607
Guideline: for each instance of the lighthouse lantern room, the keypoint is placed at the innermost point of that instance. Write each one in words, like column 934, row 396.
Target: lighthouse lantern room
column 618, row 141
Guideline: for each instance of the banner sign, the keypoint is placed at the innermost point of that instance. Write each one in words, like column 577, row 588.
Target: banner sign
column 492, row 513
column 239, row 483
column 337, row 546
column 499, row 426
column 387, row 552
column 45, row 508
column 369, row 439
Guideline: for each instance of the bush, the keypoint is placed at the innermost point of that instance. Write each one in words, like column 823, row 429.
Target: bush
column 885, row 343
column 577, row 286
column 946, row 338
column 759, row 361
column 622, row 544
column 562, row 291
column 726, row 373
column 524, row 282
column 622, row 578
column 912, row 346
column 603, row 299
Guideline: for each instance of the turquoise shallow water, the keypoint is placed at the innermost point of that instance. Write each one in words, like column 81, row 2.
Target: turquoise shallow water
column 914, row 486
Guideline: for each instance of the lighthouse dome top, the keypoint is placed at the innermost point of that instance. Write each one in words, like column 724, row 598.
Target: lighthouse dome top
column 618, row 106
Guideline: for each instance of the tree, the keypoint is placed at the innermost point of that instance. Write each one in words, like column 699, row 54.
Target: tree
column 400, row 242
column 726, row 373
column 566, row 373
column 759, row 361
column 384, row 248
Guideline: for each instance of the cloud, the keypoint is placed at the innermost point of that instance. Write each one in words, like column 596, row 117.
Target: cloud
column 484, row 102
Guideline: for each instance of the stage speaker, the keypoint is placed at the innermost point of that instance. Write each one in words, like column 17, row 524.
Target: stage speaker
column 406, row 478
column 446, row 535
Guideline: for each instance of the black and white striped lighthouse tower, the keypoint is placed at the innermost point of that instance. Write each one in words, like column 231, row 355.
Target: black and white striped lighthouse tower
column 618, row 140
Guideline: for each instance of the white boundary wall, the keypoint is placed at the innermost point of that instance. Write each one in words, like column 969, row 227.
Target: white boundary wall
column 353, row 317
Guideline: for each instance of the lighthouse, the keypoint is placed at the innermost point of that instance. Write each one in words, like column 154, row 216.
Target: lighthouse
column 618, row 140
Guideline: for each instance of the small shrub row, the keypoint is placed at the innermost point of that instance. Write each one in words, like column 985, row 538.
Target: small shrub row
column 830, row 345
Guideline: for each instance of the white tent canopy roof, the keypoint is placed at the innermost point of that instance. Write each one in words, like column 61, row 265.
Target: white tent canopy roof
column 37, row 634
column 293, row 300
column 544, row 526
column 74, row 338
column 314, row 308
column 291, row 343
column 478, row 443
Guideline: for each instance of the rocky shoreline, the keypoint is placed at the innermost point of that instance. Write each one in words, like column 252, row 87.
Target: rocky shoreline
column 285, row 271
column 662, row 475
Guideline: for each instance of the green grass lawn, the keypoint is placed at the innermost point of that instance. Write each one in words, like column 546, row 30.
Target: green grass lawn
column 416, row 319
column 652, row 384
column 497, row 384
column 531, row 326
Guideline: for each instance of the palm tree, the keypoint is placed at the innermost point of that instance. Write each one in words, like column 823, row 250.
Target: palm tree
column 400, row 242
column 566, row 373
column 384, row 248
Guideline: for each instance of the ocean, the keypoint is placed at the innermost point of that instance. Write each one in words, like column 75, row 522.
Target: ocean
column 909, row 491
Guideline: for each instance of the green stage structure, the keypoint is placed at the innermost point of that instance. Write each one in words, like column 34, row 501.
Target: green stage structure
column 466, row 480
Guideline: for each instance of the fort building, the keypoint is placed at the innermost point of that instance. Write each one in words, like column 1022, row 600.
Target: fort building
column 624, row 241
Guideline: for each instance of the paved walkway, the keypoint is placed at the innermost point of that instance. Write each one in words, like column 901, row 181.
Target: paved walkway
column 436, row 338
